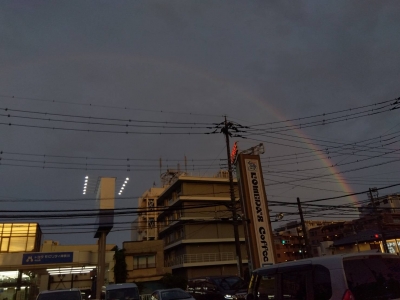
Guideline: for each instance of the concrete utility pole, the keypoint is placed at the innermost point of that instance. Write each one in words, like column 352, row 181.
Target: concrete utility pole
column 303, row 226
column 225, row 131
column 379, row 220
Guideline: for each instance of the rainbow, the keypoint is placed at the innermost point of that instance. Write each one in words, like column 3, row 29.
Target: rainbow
column 156, row 61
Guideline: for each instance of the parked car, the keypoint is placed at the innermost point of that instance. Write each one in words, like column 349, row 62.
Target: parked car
column 66, row 294
column 217, row 287
column 359, row 276
column 171, row 294
column 122, row 291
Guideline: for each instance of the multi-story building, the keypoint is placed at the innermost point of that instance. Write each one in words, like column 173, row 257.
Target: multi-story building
column 144, row 227
column 292, row 244
column 145, row 264
column 144, row 254
column 17, row 238
column 387, row 203
column 195, row 224
column 288, row 247
column 27, row 266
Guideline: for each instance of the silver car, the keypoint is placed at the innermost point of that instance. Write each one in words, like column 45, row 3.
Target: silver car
column 171, row 294
column 360, row 276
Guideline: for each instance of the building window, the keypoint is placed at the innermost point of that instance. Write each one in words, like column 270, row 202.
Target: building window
column 18, row 237
column 144, row 262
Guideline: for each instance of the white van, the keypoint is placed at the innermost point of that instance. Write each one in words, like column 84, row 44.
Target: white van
column 122, row 291
column 356, row 276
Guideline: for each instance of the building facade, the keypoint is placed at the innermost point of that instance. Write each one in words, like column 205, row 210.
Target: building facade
column 27, row 266
column 145, row 264
column 144, row 227
column 195, row 225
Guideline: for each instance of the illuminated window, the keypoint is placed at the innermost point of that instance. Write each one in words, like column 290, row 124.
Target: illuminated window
column 17, row 244
column 19, row 237
column 32, row 228
column 30, row 245
column 7, row 229
column 4, row 244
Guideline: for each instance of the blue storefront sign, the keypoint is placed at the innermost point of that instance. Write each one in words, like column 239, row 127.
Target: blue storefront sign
column 47, row 258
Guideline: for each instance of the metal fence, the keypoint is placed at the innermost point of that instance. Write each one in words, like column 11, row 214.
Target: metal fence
column 145, row 297
column 201, row 257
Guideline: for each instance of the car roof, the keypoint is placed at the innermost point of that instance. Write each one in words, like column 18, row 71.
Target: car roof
column 171, row 289
column 328, row 260
column 214, row 277
column 59, row 291
column 120, row 286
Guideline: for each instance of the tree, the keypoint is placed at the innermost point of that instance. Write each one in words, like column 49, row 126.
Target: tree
column 173, row 281
column 120, row 267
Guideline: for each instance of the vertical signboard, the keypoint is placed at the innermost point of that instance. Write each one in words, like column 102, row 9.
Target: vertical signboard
column 255, row 207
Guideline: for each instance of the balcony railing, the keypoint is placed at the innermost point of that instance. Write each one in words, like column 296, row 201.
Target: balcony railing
column 200, row 258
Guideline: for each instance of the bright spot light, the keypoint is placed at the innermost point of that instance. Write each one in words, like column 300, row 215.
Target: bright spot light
column 127, row 178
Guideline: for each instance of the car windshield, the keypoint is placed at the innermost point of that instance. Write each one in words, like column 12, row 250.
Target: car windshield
column 374, row 277
column 122, row 294
column 174, row 294
column 230, row 283
column 67, row 295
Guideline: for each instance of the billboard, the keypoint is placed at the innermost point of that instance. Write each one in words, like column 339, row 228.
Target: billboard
column 47, row 258
column 255, row 207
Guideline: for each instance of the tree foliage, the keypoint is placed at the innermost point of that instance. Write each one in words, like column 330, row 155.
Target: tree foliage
column 173, row 281
column 120, row 267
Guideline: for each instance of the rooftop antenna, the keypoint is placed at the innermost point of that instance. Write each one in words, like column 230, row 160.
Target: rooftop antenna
column 185, row 164
column 160, row 170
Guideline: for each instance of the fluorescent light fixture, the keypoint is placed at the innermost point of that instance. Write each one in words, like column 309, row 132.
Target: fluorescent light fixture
column 70, row 270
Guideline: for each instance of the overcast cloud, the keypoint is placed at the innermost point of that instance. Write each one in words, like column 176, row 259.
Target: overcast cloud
column 193, row 61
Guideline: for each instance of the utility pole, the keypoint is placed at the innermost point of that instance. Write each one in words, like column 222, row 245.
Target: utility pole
column 379, row 220
column 225, row 131
column 356, row 235
column 303, row 226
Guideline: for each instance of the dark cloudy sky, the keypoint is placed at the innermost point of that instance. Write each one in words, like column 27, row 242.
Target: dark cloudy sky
column 186, row 65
